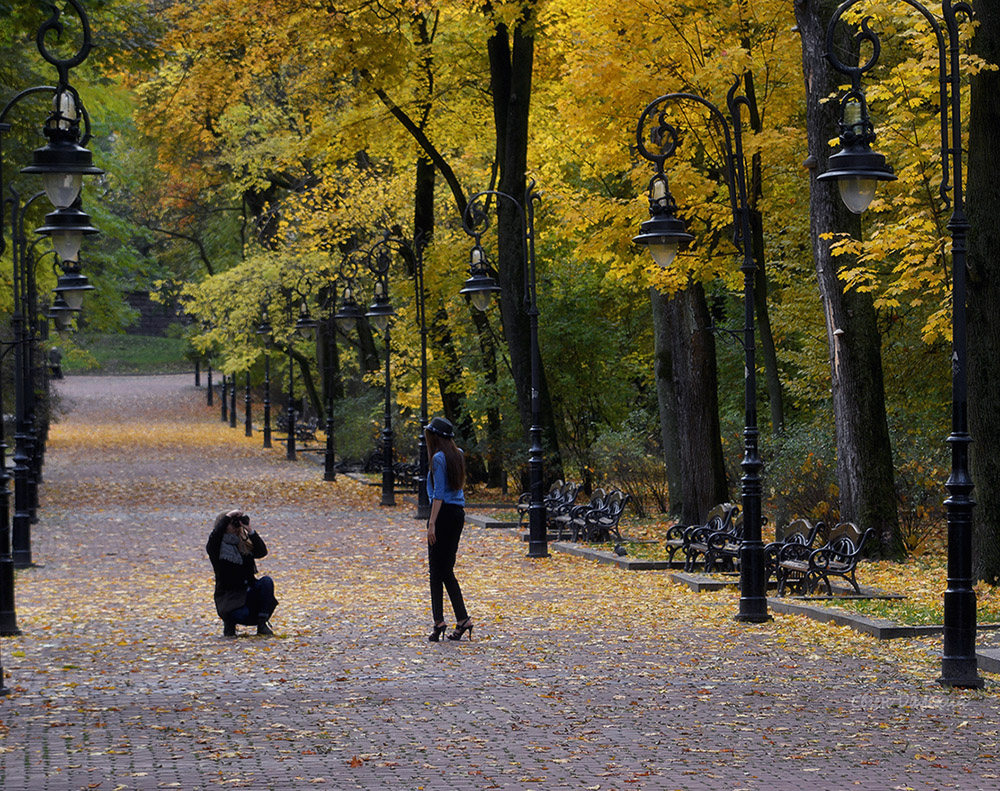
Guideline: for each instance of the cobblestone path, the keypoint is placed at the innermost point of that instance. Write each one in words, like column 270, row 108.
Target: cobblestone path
column 579, row 677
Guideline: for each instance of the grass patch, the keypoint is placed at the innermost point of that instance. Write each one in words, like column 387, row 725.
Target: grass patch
column 126, row 354
column 923, row 581
column 918, row 613
column 637, row 550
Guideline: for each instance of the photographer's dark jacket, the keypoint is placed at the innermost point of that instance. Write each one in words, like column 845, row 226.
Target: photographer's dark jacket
column 234, row 572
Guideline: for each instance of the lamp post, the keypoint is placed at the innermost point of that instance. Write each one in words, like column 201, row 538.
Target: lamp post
column 224, row 398
column 379, row 313
column 413, row 253
column 330, row 340
column 247, row 416
column 480, row 287
column 8, row 612
column 857, row 170
column 307, row 326
column 290, row 404
column 264, row 329
column 62, row 163
column 664, row 234
column 232, row 402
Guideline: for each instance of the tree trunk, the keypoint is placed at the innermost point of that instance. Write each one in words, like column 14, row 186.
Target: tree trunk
column 666, row 397
column 696, row 387
column 768, row 353
column 864, row 454
column 984, row 294
column 511, row 55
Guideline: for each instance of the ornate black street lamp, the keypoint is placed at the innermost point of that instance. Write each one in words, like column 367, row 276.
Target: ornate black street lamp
column 480, row 287
column 62, row 163
column 307, row 327
column 8, row 612
column 224, row 399
column 380, row 313
column 290, row 412
column 413, row 253
column 264, row 329
column 664, row 234
column 232, row 402
column 857, row 170
column 247, row 416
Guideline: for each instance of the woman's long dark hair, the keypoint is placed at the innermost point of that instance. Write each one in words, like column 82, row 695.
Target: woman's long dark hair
column 454, row 459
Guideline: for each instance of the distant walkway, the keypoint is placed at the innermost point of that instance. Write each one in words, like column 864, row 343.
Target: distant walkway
column 580, row 676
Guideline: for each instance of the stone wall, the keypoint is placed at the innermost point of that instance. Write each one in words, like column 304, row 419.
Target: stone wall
column 154, row 317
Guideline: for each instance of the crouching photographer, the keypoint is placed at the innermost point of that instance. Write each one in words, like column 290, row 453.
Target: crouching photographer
column 240, row 598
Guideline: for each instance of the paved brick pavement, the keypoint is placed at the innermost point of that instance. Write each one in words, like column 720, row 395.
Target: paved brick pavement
column 579, row 677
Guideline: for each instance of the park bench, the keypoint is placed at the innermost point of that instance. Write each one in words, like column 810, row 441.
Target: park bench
column 560, row 494
column 837, row 558
column 407, row 475
column 562, row 516
column 601, row 523
column 720, row 547
column 305, row 429
column 679, row 536
column 801, row 536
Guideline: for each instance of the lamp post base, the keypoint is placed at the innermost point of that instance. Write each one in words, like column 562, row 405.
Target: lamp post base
column 388, row 487
column 538, row 544
column 754, row 615
column 961, row 673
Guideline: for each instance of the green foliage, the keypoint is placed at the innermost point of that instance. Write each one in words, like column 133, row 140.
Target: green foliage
column 630, row 458
column 921, row 464
column 358, row 424
column 244, row 158
column 800, row 474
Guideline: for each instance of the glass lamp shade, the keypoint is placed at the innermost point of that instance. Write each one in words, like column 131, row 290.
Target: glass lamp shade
column 664, row 250
column 61, row 314
column 67, row 227
column 857, row 170
column 379, row 314
column 481, row 300
column 72, row 285
column 349, row 312
column 67, row 244
column 857, row 192
column 665, row 236
column 62, row 189
column 480, row 289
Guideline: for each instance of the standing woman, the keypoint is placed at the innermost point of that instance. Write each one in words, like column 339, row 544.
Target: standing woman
column 445, row 488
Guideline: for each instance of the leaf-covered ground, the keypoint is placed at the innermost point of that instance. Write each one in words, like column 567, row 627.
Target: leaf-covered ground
column 580, row 676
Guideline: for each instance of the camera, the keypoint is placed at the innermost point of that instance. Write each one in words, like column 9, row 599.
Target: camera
column 243, row 520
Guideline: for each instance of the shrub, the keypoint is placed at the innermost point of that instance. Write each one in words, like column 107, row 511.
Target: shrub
column 800, row 476
column 629, row 458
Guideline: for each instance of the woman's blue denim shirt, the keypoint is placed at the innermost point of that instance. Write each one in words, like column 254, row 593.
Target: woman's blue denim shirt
column 437, row 483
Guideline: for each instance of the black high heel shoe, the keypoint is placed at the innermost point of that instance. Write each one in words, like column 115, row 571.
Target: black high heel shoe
column 462, row 628
column 435, row 636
